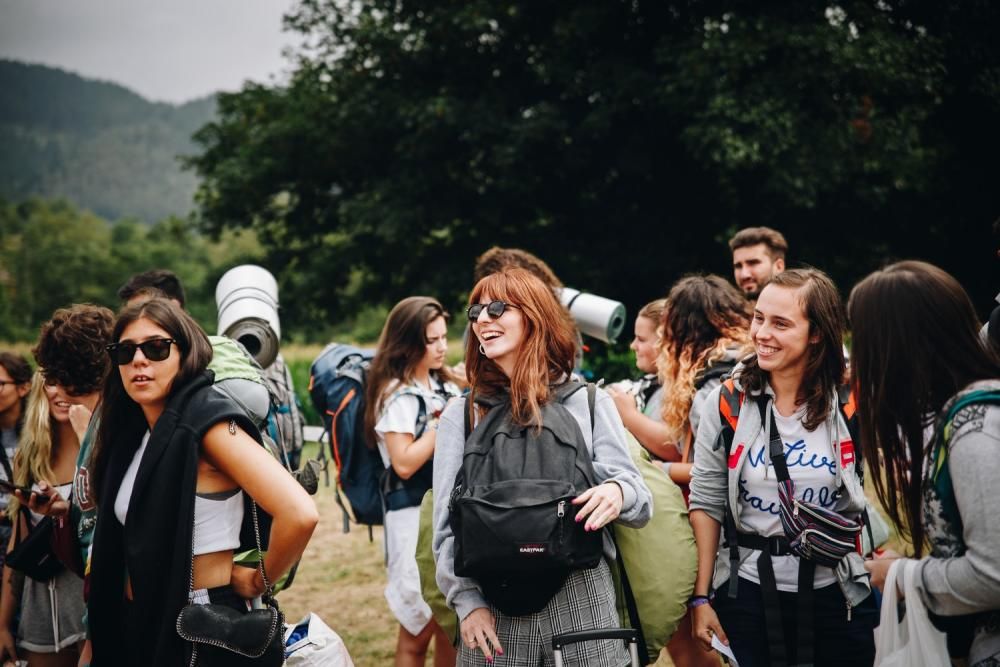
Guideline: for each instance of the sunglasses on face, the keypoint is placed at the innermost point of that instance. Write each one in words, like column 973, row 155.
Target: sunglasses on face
column 154, row 349
column 494, row 309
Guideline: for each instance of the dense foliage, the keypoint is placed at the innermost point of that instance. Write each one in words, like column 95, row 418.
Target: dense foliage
column 622, row 141
column 95, row 143
column 52, row 255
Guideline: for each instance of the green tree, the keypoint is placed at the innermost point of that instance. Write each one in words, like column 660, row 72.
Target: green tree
column 52, row 255
column 622, row 141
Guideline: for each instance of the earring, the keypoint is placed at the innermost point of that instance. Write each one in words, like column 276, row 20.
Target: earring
column 482, row 350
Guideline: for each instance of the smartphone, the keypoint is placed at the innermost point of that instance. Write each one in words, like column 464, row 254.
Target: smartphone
column 7, row 487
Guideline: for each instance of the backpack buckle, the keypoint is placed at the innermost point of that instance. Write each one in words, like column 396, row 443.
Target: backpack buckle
column 777, row 545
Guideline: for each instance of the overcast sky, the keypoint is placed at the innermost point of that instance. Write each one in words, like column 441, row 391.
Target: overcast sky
column 172, row 50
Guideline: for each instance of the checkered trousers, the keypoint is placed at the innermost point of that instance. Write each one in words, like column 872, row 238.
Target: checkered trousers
column 585, row 602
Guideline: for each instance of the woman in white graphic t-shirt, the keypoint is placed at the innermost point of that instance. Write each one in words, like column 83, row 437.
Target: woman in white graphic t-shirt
column 408, row 386
column 789, row 385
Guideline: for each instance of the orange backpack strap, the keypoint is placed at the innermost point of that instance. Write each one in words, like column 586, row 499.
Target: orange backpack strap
column 730, row 402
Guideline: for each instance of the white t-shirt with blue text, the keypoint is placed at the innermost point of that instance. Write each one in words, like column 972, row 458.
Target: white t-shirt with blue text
column 813, row 468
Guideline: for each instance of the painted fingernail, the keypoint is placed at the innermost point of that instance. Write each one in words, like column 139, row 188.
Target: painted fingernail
column 499, row 651
column 578, row 519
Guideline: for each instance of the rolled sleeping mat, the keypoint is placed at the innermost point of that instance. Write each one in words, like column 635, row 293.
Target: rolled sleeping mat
column 594, row 315
column 247, row 299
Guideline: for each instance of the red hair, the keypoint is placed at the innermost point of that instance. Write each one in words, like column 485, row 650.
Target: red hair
column 546, row 353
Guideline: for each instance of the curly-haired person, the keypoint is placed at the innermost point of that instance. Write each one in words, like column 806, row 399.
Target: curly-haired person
column 72, row 364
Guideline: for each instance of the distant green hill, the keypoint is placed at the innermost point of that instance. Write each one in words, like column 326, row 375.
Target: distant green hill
column 94, row 143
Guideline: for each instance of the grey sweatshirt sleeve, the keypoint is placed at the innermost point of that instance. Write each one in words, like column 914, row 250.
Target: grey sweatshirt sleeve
column 709, row 475
column 971, row 582
column 612, row 461
column 461, row 594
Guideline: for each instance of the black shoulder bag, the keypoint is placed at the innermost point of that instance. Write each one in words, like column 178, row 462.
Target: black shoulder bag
column 223, row 637
column 33, row 554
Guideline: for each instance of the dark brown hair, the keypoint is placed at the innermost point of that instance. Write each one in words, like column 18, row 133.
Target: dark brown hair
column 17, row 366
column 117, row 408
column 825, row 368
column 498, row 260
column 165, row 281
column 915, row 344
column 401, row 346
column 70, row 349
column 20, row 372
column 547, row 351
column 775, row 241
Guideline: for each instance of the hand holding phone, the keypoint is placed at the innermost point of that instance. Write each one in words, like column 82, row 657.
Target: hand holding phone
column 26, row 491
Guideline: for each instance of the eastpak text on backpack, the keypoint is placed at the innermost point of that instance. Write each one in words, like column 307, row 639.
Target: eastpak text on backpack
column 510, row 509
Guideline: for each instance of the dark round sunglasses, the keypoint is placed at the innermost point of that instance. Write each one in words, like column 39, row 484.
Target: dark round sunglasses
column 494, row 309
column 154, row 349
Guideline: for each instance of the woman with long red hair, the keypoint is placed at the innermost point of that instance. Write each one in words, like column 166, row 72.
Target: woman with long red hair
column 519, row 363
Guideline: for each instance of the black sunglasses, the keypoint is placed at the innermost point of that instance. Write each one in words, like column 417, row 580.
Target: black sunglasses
column 494, row 309
column 154, row 349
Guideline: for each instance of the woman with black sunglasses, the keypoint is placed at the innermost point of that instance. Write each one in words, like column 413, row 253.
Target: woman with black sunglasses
column 519, row 359
column 172, row 462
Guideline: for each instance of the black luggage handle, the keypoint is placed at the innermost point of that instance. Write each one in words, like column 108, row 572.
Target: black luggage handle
column 626, row 634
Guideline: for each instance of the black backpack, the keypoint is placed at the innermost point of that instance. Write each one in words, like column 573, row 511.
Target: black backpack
column 510, row 509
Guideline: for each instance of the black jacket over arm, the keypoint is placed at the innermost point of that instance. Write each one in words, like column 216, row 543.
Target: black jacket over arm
column 154, row 546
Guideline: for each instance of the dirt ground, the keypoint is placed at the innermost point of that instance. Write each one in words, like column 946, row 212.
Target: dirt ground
column 341, row 578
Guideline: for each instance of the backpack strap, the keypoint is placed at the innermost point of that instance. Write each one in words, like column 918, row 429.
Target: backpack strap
column 716, row 369
column 629, row 595
column 591, row 399
column 940, row 474
column 730, row 402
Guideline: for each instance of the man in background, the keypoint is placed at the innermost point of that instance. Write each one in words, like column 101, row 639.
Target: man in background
column 758, row 256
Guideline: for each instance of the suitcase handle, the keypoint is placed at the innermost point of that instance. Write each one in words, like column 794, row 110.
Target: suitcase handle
column 626, row 634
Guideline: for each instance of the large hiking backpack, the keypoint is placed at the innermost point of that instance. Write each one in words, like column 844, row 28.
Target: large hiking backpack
column 366, row 489
column 337, row 389
column 511, row 509
column 284, row 419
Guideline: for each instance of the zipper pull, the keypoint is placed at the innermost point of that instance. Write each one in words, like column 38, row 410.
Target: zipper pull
column 795, row 513
column 561, row 509
column 848, row 611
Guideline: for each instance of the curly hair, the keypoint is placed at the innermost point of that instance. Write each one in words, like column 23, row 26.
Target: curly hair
column 704, row 317
column 70, row 349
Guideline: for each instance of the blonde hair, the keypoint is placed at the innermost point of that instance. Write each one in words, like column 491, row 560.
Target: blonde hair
column 33, row 459
column 653, row 311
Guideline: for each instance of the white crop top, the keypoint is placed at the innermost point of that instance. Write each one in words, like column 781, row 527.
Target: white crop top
column 217, row 516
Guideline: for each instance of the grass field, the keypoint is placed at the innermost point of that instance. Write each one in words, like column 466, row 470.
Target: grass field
column 341, row 578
